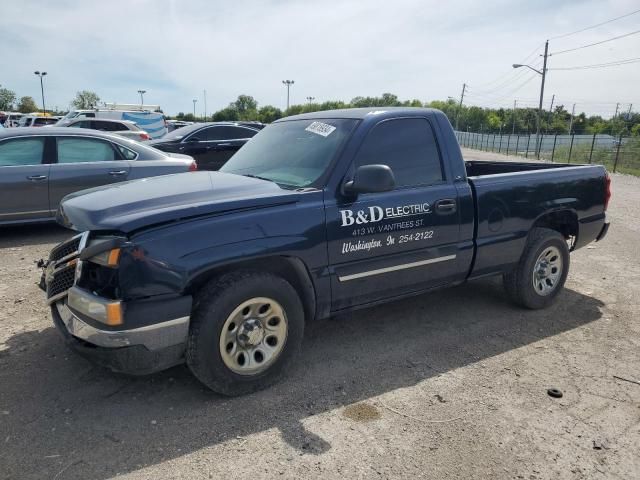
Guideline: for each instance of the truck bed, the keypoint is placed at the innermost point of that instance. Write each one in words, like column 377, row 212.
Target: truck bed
column 477, row 168
column 510, row 198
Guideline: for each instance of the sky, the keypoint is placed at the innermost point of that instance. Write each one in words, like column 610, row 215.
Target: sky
column 333, row 50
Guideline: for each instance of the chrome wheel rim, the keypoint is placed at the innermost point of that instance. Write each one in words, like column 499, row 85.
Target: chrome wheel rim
column 253, row 336
column 547, row 271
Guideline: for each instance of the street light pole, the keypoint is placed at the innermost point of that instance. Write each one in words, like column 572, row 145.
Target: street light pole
column 194, row 108
column 142, row 92
column 310, row 99
column 543, row 73
column 288, row 83
column 205, row 104
column 41, row 74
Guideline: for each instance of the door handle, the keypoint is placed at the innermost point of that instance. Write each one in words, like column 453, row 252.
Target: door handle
column 223, row 144
column 37, row 178
column 116, row 173
column 446, row 206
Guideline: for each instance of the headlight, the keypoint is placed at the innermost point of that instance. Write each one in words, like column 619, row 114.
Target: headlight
column 103, row 310
column 103, row 251
column 108, row 258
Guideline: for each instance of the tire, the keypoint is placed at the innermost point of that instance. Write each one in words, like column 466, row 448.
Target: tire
column 535, row 290
column 261, row 315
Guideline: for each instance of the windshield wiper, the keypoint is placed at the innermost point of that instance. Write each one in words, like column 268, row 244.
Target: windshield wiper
column 258, row 177
column 286, row 186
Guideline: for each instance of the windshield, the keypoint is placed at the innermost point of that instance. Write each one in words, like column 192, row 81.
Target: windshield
column 294, row 153
column 180, row 132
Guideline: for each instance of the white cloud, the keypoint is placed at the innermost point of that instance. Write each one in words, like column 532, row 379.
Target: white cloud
column 332, row 49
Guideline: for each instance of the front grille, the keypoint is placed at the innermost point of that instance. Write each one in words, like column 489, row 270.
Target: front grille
column 62, row 281
column 65, row 249
column 60, row 272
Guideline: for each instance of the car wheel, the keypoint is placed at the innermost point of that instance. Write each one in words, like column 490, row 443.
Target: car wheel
column 246, row 329
column 542, row 270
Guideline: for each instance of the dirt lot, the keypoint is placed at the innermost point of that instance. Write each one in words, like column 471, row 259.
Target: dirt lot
column 447, row 385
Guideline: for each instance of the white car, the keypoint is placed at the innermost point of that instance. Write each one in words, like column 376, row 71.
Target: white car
column 36, row 121
column 13, row 118
column 145, row 116
column 124, row 128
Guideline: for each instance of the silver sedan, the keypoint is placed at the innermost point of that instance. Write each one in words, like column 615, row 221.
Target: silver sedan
column 39, row 166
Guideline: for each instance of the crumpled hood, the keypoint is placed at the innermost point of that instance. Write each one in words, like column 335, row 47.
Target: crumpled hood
column 136, row 204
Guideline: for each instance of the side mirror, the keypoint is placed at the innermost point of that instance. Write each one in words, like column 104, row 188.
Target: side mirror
column 193, row 139
column 370, row 179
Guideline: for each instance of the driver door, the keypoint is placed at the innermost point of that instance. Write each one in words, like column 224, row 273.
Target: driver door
column 383, row 245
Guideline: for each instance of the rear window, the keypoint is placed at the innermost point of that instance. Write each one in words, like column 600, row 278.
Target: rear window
column 21, row 151
column 45, row 121
column 80, row 150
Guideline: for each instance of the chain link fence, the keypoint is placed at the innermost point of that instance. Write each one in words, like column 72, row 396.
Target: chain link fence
column 617, row 154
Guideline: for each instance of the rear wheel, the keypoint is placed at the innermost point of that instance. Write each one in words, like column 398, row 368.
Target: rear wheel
column 542, row 270
column 246, row 330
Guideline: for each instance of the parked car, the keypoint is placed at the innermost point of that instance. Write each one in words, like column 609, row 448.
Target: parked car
column 175, row 124
column 322, row 213
column 36, row 121
column 123, row 128
column 211, row 144
column 40, row 166
column 13, row 118
column 145, row 116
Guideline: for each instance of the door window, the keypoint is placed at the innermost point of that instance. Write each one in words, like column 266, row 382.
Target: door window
column 80, row 150
column 408, row 146
column 225, row 133
column 108, row 126
column 82, row 124
column 21, row 151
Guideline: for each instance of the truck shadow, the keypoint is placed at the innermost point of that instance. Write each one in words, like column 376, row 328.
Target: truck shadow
column 40, row 234
column 58, row 411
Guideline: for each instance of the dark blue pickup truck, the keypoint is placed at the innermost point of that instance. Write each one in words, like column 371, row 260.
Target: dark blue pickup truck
column 318, row 214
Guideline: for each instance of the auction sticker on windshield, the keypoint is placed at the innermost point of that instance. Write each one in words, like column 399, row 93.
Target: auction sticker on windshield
column 319, row 128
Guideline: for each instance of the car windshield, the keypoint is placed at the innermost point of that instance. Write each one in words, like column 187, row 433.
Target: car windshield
column 293, row 153
column 180, row 132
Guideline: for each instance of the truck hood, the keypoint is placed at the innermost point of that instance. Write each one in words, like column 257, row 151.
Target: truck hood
column 137, row 204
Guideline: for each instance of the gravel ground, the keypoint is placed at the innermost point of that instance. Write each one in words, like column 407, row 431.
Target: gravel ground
column 459, row 392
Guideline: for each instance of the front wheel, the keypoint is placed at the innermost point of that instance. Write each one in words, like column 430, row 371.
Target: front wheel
column 246, row 329
column 542, row 270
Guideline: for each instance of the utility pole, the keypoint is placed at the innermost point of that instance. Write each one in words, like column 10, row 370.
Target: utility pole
column 310, row 99
column 513, row 130
column 553, row 97
column 44, row 108
column 194, row 108
column 205, row 104
column 629, row 112
column 464, row 87
column 573, row 111
column 544, row 75
column 142, row 92
column 616, row 114
column 288, row 83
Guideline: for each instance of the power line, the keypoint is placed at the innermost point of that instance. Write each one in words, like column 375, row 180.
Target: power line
column 600, row 65
column 595, row 26
column 596, row 43
column 500, row 86
column 512, row 91
column 504, row 77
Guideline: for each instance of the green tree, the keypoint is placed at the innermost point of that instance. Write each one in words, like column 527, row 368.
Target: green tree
column 269, row 113
column 7, row 98
column 188, row 117
column 85, row 100
column 229, row 114
column 244, row 104
column 27, row 105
